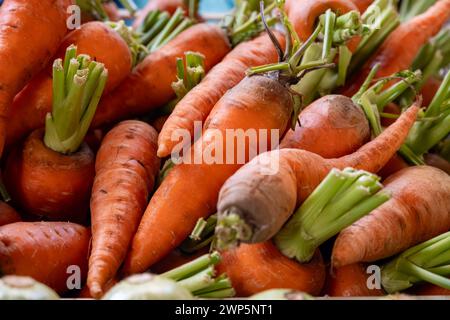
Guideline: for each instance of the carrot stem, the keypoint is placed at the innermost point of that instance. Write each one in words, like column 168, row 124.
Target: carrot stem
column 342, row 198
column 153, row 29
column 129, row 5
column 199, row 280
column 191, row 268
column 328, row 29
column 409, row 9
column 176, row 18
column 230, row 230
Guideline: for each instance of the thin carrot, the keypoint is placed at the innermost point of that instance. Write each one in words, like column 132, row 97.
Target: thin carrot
column 126, row 168
column 199, row 102
column 30, row 33
column 51, row 173
column 418, row 210
column 44, row 251
column 8, row 214
column 393, row 56
column 258, row 267
column 247, row 199
column 95, row 39
column 149, row 85
column 351, row 281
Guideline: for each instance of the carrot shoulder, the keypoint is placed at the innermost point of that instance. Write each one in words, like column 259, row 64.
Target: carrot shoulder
column 126, row 167
column 198, row 103
column 30, row 33
column 418, row 210
column 149, row 85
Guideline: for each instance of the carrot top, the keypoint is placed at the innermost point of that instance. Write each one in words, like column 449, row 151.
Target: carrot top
column 96, row 9
column 78, row 84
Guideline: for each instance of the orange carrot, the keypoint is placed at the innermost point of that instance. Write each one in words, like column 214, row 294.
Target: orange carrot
column 429, row 90
column 294, row 174
column 332, row 126
column 8, row 214
column 258, row 267
column 418, row 210
column 149, row 85
column 126, row 168
column 393, row 55
column 350, row 281
column 30, row 33
column 94, row 39
column 198, row 103
column 394, row 165
column 362, row 4
column 44, row 251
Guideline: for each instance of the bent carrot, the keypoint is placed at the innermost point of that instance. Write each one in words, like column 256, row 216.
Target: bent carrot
column 393, row 56
column 350, row 281
column 258, row 267
column 8, row 214
column 149, row 85
column 249, row 195
column 418, row 210
column 199, row 102
column 95, row 39
column 23, row 50
column 126, row 168
column 44, row 251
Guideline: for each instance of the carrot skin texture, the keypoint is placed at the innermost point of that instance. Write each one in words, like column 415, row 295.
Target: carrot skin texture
column 95, row 39
column 149, row 85
column 258, row 267
column 126, row 169
column 393, row 55
column 298, row 173
column 332, row 126
column 23, row 51
column 350, row 281
column 303, row 14
column 418, row 210
column 46, row 183
column 199, row 102
column 44, row 251
column 257, row 103
column 169, row 6
column 8, row 214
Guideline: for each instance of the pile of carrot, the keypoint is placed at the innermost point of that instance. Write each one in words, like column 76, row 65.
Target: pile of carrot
column 296, row 149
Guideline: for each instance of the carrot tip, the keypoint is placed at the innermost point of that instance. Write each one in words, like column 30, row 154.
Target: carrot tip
column 96, row 290
column 163, row 151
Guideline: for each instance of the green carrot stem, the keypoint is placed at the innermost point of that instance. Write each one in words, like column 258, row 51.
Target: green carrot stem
column 129, row 5
column 220, row 294
column 342, row 198
column 198, row 229
column 230, row 230
column 169, row 27
column 441, row 95
column 217, row 285
column 442, row 270
column 149, row 21
column 58, row 85
column 268, row 68
column 345, row 57
column 409, row 9
column 328, row 29
column 186, row 23
column 396, row 90
column 199, row 280
column 156, row 28
column 436, row 252
column 191, row 268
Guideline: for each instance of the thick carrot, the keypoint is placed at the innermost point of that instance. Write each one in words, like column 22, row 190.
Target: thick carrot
column 418, row 210
column 126, row 169
column 30, row 33
column 258, row 267
column 304, row 13
column 332, row 126
column 249, row 193
column 8, row 214
column 198, row 103
column 169, row 6
column 350, row 281
column 255, row 103
column 393, row 56
column 44, row 251
column 149, row 85
column 94, row 39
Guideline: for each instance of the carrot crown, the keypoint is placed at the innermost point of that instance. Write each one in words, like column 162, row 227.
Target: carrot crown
column 428, row 261
column 78, row 85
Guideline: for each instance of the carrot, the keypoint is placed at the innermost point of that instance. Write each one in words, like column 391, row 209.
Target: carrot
column 44, row 251
column 126, row 167
column 20, row 20
column 51, row 173
column 437, row 161
column 149, row 85
column 94, row 39
column 393, row 56
column 8, row 214
column 304, row 13
column 258, row 267
column 258, row 102
column 419, row 210
column 332, row 126
column 85, row 292
column 350, row 281
column 176, row 258
column 247, row 201
column 199, row 102
column 362, row 4
column 395, row 164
